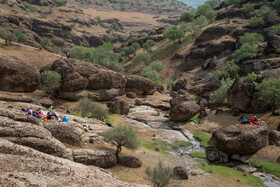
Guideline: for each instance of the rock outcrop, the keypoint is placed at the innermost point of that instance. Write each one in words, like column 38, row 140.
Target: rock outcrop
column 215, row 155
column 240, row 139
column 140, row 85
column 34, row 136
column 181, row 172
column 184, row 111
column 96, row 157
column 130, row 161
column 83, row 79
column 118, row 106
column 41, row 169
column 17, row 76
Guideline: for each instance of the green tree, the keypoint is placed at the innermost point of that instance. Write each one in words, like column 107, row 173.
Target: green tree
column 44, row 42
column 251, row 38
column 187, row 17
column 148, row 45
column 88, row 108
column 184, row 27
column 153, row 72
column 249, row 7
column 136, row 45
column 128, row 50
column 143, row 57
column 124, row 136
column 21, row 37
column 174, row 34
column 277, row 5
column 8, row 36
column 50, row 81
column 170, row 83
column 201, row 21
column 214, row 3
column 251, row 77
column 160, row 175
column 274, row 30
column 246, row 51
column 143, row 35
column 206, row 10
column 269, row 91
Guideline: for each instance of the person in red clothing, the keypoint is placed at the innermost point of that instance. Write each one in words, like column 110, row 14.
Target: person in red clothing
column 252, row 120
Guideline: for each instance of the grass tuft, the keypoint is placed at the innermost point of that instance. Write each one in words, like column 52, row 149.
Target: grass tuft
column 203, row 138
column 248, row 180
column 198, row 155
column 267, row 166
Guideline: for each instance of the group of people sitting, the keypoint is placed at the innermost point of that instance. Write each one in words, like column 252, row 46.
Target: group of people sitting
column 254, row 120
column 45, row 115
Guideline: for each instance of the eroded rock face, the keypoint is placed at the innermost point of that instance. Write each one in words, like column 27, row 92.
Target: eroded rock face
column 34, row 136
column 96, row 157
column 240, row 139
column 42, row 170
column 17, row 76
column 83, row 79
column 184, row 111
column 140, row 85
column 242, row 96
column 118, row 106
column 274, row 138
column 214, row 155
column 130, row 161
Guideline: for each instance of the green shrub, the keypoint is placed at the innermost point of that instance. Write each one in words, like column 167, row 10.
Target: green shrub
column 256, row 22
column 170, row 83
column 203, row 138
column 88, row 108
column 152, row 72
column 251, row 38
column 143, row 35
column 59, row 2
column 21, row 37
column 251, row 77
column 149, row 44
column 246, row 51
column 230, row 70
column 184, row 27
column 174, row 34
column 187, row 17
column 44, row 42
column 206, row 10
column 221, row 94
column 124, row 136
column 143, row 57
column 50, row 81
column 249, row 7
column 268, row 92
column 265, row 12
column 160, row 175
column 201, row 21
column 274, row 30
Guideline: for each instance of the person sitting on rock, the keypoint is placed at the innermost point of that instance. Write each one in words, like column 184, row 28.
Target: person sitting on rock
column 65, row 119
column 158, row 112
column 244, row 120
column 49, row 115
column 109, row 124
column 29, row 111
column 258, row 122
column 53, row 113
column 87, row 128
column 252, row 120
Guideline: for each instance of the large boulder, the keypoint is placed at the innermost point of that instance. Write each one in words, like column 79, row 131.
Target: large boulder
column 140, row 85
column 274, row 138
column 17, row 76
column 181, row 172
column 34, row 136
column 242, row 95
column 118, row 106
column 215, row 155
column 240, row 139
column 180, row 85
column 96, row 157
column 130, row 161
column 177, row 100
column 184, row 111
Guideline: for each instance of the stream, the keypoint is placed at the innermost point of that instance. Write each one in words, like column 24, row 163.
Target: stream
column 146, row 117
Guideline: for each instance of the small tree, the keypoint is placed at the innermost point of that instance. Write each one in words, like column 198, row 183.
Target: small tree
column 184, row 27
column 7, row 36
column 143, row 35
column 123, row 136
column 143, row 57
column 160, row 175
column 174, row 34
column 274, row 30
column 187, row 17
column 88, row 108
column 269, row 91
column 256, row 22
column 170, row 83
column 44, row 42
column 201, row 21
column 221, row 94
column 249, row 7
column 230, row 70
column 50, row 80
